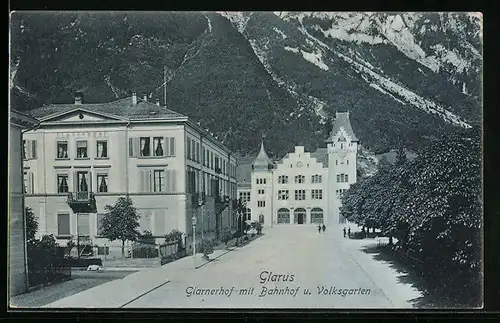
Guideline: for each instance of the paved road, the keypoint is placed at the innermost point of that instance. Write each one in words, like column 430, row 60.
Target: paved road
column 328, row 272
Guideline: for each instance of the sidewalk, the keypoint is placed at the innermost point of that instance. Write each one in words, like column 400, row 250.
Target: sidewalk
column 120, row 292
column 382, row 273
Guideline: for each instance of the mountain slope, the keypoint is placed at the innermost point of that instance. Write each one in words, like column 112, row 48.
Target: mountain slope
column 403, row 77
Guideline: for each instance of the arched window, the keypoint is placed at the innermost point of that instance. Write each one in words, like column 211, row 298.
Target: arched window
column 299, row 179
column 283, row 215
column 317, row 215
column 299, row 216
column 283, row 179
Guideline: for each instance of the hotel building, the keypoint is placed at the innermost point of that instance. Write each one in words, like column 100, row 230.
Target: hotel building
column 303, row 187
column 83, row 157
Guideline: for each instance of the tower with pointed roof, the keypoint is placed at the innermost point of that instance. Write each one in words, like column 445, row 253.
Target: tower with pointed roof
column 262, row 186
column 342, row 148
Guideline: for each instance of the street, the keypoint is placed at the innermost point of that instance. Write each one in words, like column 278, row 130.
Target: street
column 288, row 267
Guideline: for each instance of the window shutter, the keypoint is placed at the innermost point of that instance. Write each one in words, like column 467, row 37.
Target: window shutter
column 164, row 185
column 132, row 151
column 172, row 146
column 143, row 181
column 173, row 180
column 28, row 184
column 166, row 146
column 28, row 149
column 148, row 181
column 33, row 149
column 90, row 182
column 75, row 182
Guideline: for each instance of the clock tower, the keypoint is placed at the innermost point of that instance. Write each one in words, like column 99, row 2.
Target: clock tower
column 342, row 148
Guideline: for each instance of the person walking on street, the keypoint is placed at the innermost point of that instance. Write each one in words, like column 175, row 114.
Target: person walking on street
column 319, row 228
column 349, row 233
column 344, row 232
column 324, row 227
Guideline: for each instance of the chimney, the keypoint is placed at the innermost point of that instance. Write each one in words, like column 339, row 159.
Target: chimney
column 145, row 97
column 78, row 97
column 158, row 102
column 134, row 98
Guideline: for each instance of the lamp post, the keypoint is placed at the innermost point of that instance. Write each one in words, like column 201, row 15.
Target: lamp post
column 193, row 222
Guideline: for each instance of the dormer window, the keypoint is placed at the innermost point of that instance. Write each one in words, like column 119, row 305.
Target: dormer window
column 342, row 139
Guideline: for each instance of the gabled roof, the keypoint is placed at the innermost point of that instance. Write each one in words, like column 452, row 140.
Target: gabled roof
column 342, row 121
column 123, row 108
column 262, row 161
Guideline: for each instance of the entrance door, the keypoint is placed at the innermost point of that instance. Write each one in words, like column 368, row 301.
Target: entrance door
column 299, row 216
column 301, row 219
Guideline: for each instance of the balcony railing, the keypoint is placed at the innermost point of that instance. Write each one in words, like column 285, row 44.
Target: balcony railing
column 82, row 202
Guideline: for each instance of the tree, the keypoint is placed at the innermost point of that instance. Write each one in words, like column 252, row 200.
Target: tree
column 175, row 235
column 240, row 208
column 400, row 157
column 31, row 225
column 120, row 222
column 226, row 236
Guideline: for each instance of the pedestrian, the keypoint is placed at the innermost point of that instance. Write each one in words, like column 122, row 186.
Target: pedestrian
column 349, row 233
column 324, row 227
column 319, row 228
column 344, row 232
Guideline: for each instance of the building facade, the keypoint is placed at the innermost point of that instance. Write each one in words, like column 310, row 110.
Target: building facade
column 17, row 220
column 162, row 160
column 303, row 187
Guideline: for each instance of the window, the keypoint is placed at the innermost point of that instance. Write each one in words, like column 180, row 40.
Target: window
column 299, row 179
column 317, row 194
column 29, row 149
column 145, row 147
column 25, row 154
column 316, row 179
column 158, row 145
column 261, row 203
column 25, row 181
column 81, row 149
column 102, row 149
column 62, row 149
column 83, row 222
column 159, row 180
column 211, row 160
column 62, row 184
column 341, row 146
column 63, row 224
column 248, row 214
column 100, row 217
column 261, row 181
column 342, row 178
column 283, row 179
column 197, row 152
column 300, row 195
column 102, row 183
column 245, row 197
column 261, row 191
column 203, row 156
column 82, row 179
column 282, row 194
column 347, row 161
column 336, row 161
column 341, row 139
column 188, row 150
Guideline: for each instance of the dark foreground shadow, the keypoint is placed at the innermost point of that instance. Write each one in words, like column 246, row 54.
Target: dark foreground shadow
column 411, row 276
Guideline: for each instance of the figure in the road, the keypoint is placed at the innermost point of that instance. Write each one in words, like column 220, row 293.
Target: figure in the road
column 349, row 233
column 319, row 228
column 344, row 232
column 324, row 227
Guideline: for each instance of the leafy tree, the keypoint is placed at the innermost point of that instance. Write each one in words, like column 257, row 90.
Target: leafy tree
column 31, row 224
column 226, row 236
column 400, row 157
column 175, row 235
column 120, row 222
column 240, row 208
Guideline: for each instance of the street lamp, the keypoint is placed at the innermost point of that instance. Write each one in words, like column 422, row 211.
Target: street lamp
column 193, row 221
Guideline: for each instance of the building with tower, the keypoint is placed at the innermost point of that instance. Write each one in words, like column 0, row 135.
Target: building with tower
column 303, row 187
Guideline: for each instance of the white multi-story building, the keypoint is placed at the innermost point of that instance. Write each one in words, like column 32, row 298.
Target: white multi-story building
column 302, row 187
column 83, row 157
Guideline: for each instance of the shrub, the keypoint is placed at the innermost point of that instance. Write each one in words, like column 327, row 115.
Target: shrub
column 226, row 235
column 207, row 247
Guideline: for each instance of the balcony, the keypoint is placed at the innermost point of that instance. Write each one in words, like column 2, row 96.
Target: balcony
column 198, row 199
column 82, row 202
column 221, row 203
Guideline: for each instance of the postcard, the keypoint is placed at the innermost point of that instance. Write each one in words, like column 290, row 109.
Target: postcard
column 269, row 160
